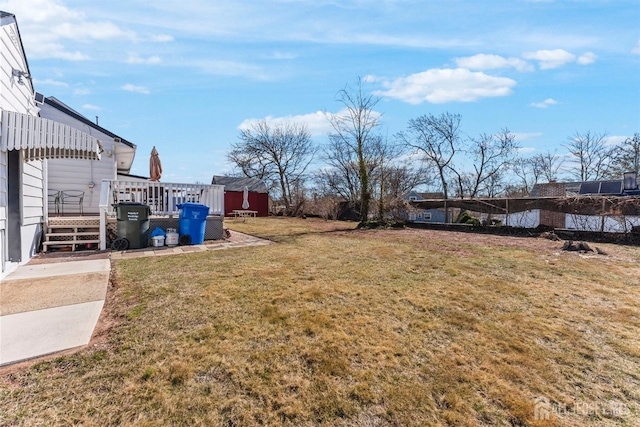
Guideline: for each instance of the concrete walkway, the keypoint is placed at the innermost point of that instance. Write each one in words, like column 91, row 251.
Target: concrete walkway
column 46, row 308
column 53, row 303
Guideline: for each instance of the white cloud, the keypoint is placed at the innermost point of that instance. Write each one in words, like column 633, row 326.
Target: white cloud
column 56, row 51
column 523, row 136
column 137, row 59
column 317, row 123
column 91, row 30
column 526, row 150
column 636, row 49
column 483, row 61
column 161, row 38
column 439, row 86
column 614, row 139
column 544, row 104
column 82, row 91
column 587, row 58
column 229, row 68
column 91, row 107
column 46, row 24
column 40, row 11
column 136, row 89
column 49, row 82
column 550, row 58
column 282, row 55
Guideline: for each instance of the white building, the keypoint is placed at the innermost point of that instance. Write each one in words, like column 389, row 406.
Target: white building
column 26, row 142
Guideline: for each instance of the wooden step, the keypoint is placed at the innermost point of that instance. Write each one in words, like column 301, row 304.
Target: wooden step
column 69, row 242
column 71, row 232
column 78, row 233
column 71, row 227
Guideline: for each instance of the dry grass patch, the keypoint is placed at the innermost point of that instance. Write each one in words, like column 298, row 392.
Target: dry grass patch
column 334, row 326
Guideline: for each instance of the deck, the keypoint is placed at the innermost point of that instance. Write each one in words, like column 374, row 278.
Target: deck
column 96, row 230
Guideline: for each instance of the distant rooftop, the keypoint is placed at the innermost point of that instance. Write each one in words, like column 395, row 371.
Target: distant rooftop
column 611, row 187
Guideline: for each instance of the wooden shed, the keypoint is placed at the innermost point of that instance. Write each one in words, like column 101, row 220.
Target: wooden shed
column 234, row 194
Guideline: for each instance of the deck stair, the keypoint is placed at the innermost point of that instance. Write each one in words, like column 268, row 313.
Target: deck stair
column 74, row 232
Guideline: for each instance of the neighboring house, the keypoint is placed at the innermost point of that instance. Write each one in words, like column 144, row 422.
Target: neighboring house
column 626, row 187
column 234, row 194
column 414, row 214
column 84, row 177
column 26, row 143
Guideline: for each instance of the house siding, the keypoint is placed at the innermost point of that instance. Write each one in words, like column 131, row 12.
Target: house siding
column 3, row 188
column 24, row 236
column 423, row 215
column 80, row 175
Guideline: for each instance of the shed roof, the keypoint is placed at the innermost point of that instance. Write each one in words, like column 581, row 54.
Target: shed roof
column 232, row 183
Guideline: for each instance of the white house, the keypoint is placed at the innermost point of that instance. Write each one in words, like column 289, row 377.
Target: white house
column 26, row 142
column 84, row 177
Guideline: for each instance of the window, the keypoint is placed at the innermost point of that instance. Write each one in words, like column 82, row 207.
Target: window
column 427, row 216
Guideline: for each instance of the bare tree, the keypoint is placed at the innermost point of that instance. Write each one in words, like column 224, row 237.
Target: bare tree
column 399, row 179
column 389, row 177
column 281, row 154
column 626, row 157
column 492, row 157
column 341, row 176
column 354, row 130
column 523, row 169
column 437, row 138
column 547, row 166
column 590, row 155
column 542, row 167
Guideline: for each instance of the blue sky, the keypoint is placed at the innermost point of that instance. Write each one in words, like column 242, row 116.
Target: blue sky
column 184, row 76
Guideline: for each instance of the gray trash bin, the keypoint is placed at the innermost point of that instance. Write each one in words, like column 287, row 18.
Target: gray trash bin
column 133, row 225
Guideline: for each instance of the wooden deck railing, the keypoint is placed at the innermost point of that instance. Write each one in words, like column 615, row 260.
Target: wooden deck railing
column 162, row 197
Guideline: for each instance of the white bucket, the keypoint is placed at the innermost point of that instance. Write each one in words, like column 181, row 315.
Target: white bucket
column 172, row 237
column 157, row 241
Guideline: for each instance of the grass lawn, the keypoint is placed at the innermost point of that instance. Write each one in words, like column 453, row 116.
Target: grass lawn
column 335, row 326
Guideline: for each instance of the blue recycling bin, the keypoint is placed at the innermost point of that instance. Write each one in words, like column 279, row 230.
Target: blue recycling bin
column 193, row 220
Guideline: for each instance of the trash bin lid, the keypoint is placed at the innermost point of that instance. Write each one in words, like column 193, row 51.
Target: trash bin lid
column 188, row 205
column 115, row 205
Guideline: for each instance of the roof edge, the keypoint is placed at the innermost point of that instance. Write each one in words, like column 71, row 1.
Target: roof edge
column 53, row 102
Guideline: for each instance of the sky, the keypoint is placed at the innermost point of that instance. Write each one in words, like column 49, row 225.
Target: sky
column 186, row 76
